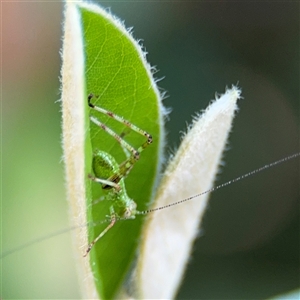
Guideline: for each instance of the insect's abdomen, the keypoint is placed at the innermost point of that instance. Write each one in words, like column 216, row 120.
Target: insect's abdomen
column 104, row 166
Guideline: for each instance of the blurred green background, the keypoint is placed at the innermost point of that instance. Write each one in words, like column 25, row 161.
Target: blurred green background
column 248, row 247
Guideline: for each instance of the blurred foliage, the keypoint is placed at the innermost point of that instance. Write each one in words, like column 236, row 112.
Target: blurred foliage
column 249, row 244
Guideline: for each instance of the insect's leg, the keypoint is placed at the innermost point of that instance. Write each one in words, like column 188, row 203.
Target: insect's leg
column 106, row 182
column 122, row 135
column 112, row 223
column 126, row 165
column 118, row 118
column 123, row 143
column 118, row 138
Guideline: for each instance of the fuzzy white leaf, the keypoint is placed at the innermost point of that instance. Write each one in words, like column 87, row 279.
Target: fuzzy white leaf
column 169, row 235
column 73, row 91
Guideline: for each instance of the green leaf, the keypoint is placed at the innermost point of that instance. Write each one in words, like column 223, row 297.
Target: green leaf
column 114, row 69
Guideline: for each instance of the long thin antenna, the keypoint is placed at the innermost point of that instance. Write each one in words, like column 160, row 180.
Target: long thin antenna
column 273, row 164
column 48, row 236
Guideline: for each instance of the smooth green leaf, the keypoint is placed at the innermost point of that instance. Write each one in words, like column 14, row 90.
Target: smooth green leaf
column 115, row 70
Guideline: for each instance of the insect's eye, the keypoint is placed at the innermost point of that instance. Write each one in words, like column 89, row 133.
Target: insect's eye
column 127, row 212
column 130, row 210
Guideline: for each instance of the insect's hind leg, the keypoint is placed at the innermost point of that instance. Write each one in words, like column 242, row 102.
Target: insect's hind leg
column 118, row 118
column 122, row 135
column 126, row 166
column 119, row 138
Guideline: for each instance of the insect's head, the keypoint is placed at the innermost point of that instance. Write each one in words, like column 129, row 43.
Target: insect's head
column 130, row 210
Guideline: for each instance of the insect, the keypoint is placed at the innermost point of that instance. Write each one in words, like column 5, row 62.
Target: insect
column 134, row 212
column 110, row 174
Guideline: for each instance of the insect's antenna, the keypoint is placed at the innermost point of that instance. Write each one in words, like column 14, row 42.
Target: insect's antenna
column 273, row 164
column 48, row 236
